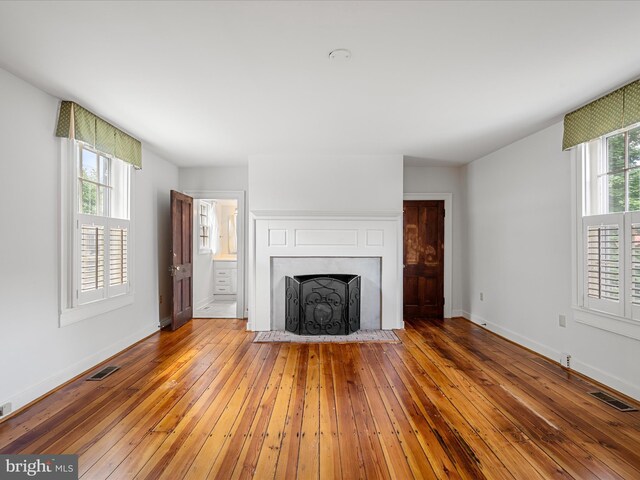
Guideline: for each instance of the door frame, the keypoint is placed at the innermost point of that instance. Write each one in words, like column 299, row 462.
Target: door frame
column 448, row 242
column 238, row 195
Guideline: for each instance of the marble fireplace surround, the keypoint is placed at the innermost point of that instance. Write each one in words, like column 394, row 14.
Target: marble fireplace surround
column 371, row 240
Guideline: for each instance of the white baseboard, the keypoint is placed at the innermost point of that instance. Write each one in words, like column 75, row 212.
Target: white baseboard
column 605, row 378
column 577, row 365
column 457, row 312
column 35, row 391
column 543, row 350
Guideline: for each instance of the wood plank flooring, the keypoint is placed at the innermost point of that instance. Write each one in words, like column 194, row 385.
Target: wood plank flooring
column 450, row 401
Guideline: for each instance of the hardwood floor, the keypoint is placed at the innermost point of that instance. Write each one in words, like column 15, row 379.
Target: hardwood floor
column 450, row 401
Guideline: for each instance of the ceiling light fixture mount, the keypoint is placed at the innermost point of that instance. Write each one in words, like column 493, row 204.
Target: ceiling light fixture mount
column 340, row 54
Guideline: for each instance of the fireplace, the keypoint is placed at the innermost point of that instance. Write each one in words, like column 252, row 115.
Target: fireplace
column 289, row 244
column 322, row 304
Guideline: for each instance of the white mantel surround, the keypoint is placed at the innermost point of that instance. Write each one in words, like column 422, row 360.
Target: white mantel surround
column 316, row 234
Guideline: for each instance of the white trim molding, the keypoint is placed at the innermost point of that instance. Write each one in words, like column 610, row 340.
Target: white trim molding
column 609, row 323
column 330, row 234
column 606, row 378
column 69, row 311
column 448, row 243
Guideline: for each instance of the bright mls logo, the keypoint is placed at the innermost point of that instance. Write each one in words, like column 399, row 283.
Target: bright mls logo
column 51, row 467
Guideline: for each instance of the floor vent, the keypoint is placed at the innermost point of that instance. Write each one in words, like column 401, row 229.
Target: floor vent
column 613, row 401
column 105, row 372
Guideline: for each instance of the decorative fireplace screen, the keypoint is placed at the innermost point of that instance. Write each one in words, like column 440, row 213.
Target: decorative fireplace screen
column 327, row 304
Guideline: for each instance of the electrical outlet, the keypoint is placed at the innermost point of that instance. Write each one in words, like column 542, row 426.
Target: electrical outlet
column 565, row 360
column 562, row 321
column 5, row 409
column 481, row 296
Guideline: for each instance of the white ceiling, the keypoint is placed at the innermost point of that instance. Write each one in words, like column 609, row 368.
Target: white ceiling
column 209, row 83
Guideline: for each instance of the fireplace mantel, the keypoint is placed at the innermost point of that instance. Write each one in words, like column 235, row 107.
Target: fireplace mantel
column 324, row 234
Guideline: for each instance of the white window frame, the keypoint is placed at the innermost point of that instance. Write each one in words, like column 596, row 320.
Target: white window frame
column 207, row 248
column 73, row 307
column 621, row 317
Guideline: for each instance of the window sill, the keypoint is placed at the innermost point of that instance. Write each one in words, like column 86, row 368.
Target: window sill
column 70, row 316
column 610, row 323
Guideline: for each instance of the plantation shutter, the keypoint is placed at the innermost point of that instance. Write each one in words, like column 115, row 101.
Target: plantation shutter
column 118, row 266
column 602, row 262
column 92, row 257
column 604, row 283
column 103, row 269
column 91, row 262
column 635, row 263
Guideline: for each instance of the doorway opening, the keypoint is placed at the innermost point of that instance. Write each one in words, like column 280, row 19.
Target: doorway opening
column 217, row 256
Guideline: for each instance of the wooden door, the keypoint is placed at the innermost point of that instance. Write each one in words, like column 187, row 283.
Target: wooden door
column 424, row 259
column 181, row 258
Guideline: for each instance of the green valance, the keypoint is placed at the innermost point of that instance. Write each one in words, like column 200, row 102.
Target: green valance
column 616, row 110
column 80, row 124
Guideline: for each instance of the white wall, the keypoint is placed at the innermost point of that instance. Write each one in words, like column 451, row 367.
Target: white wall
column 447, row 180
column 326, row 183
column 519, row 211
column 214, row 178
column 37, row 355
column 153, row 207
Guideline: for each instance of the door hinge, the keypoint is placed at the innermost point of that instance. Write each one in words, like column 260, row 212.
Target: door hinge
column 443, row 300
column 444, row 212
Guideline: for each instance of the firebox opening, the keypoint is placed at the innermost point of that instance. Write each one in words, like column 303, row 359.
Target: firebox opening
column 369, row 269
column 322, row 304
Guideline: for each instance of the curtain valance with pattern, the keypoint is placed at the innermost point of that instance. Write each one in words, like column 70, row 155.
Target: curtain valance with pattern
column 80, row 124
column 607, row 114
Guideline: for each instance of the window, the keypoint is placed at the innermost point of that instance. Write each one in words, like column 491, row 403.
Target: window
column 97, row 232
column 611, row 224
column 102, row 226
column 204, row 227
column 612, row 170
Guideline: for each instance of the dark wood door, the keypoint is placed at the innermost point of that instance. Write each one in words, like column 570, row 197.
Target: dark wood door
column 424, row 259
column 181, row 258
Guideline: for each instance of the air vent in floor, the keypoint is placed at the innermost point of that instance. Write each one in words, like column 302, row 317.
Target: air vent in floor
column 106, row 371
column 613, row 401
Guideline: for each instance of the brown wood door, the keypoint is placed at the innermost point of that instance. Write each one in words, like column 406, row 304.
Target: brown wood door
column 181, row 258
column 424, row 259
